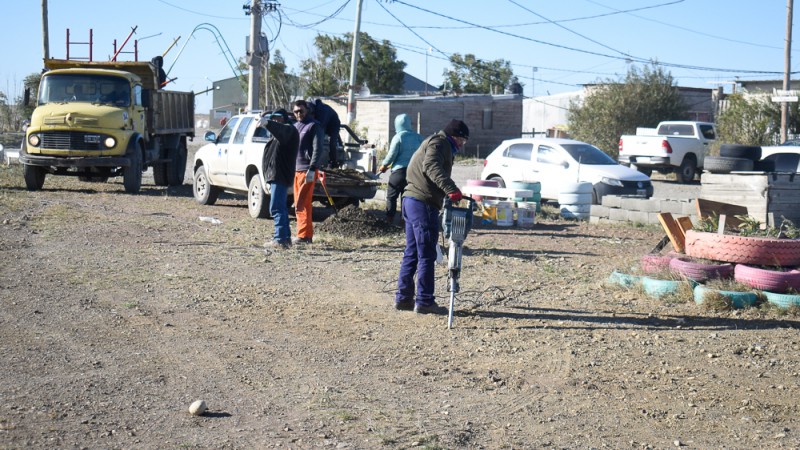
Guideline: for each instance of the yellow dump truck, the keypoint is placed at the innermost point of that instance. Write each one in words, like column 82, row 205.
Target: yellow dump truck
column 102, row 119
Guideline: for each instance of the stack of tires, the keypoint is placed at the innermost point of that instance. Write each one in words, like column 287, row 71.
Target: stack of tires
column 575, row 200
column 533, row 186
column 737, row 158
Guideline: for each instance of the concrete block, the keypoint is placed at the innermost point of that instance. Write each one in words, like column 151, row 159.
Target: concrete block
column 612, row 201
column 672, row 206
column 650, row 205
column 600, row 211
column 634, row 204
column 689, row 208
column 618, row 214
column 652, row 218
column 638, row 216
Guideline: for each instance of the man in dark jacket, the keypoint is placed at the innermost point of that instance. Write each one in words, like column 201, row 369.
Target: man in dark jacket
column 428, row 178
column 310, row 158
column 331, row 124
column 279, row 168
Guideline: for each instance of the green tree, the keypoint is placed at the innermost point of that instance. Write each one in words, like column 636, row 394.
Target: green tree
column 13, row 111
column 329, row 72
column 283, row 86
column 474, row 76
column 754, row 120
column 643, row 98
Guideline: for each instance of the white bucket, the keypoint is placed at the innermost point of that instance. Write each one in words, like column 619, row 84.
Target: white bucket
column 505, row 214
column 526, row 214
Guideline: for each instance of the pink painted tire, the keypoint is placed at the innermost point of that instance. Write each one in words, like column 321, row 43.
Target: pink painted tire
column 697, row 271
column 656, row 263
column 757, row 251
column 767, row 280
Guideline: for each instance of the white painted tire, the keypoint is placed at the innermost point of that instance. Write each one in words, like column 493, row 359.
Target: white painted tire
column 583, row 187
column 575, row 199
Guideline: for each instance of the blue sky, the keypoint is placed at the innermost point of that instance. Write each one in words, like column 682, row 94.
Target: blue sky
column 554, row 46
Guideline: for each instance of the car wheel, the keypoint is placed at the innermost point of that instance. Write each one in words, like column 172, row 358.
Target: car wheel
column 204, row 192
column 257, row 200
column 687, row 170
column 34, row 177
column 499, row 180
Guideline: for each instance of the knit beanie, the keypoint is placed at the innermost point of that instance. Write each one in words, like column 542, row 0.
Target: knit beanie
column 457, row 128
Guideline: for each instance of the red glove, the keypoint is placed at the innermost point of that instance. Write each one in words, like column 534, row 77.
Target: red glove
column 456, row 196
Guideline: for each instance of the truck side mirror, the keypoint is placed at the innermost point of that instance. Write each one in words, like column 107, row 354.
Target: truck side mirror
column 26, row 98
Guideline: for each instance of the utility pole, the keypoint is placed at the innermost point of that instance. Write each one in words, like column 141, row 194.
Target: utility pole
column 45, row 32
column 351, row 100
column 255, row 54
column 787, row 70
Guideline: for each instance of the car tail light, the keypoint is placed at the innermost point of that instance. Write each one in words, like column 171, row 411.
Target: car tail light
column 665, row 146
column 485, row 162
column 620, row 145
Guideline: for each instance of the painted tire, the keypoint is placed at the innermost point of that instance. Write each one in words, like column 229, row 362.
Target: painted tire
column 738, row 299
column 782, row 300
column 583, row 187
column 534, row 186
column 656, row 263
column 575, row 199
column 624, row 279
column 767, row 280
column 757, row 251
column 656, row 288
column 579, row 212
column 726, row 164
column 698, row 271
column 751, row 152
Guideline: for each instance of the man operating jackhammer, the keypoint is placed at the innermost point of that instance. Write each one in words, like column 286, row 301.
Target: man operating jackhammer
column 429, row 182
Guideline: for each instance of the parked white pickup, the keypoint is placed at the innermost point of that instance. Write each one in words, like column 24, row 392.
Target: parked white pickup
column 232, row 162
column 677, row 146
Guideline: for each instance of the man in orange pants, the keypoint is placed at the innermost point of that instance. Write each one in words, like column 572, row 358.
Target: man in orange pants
column 310, row 157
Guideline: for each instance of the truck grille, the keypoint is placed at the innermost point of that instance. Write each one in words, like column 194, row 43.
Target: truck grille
column 71, row 140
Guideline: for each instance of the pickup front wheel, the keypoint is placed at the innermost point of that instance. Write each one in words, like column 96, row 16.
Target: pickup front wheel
column 257, row 200
column 688, row 168
column 205, row 193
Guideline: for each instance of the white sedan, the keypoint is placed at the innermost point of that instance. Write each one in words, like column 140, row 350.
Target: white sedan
column 556, row 163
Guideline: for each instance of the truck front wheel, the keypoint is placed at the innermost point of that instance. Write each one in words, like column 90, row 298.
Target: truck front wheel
column 34, row 177
column 132, row 175
column 687, row 170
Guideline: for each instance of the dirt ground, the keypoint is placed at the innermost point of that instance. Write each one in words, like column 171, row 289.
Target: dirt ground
column 118, row 311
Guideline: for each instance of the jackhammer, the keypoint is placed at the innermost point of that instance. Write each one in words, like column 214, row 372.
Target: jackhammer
column 456, row 223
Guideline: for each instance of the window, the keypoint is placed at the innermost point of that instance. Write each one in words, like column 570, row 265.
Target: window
column 519, row 151
column 708, row 131
column 548, row 155
column 227, row 130
column 241, row 131
column 676, row 130
column 137, row 95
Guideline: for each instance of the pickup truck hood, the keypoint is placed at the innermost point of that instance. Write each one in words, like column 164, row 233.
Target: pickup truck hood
column 594, row 173
column 78, row 115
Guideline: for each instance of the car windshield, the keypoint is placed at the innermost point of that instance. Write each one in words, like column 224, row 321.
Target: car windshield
column 84, row 88
column 588, row 154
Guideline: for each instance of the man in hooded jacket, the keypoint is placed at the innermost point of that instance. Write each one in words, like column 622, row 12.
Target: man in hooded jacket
column 404, row 143
column 278, row 168
column 311, row 157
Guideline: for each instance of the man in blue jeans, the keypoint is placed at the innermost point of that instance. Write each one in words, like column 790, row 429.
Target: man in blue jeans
column 278, row 167
column 428, row 178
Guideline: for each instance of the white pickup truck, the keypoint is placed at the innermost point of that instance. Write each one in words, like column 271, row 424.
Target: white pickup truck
column 232, row 162
column 676, row 146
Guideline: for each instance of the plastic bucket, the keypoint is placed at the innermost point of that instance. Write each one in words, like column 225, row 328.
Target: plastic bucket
column 505, row 214
column 526, row 214
column 489, row 212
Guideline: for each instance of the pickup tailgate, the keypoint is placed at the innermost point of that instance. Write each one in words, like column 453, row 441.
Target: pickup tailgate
column 635, row 145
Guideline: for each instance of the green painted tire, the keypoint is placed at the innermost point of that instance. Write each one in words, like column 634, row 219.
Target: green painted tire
column 782, row 300
column 739, row 299
column 624, row 279
column 656, row 288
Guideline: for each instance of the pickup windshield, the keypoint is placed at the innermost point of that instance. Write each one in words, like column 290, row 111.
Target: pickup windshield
column 588, row 154
column 62, row 88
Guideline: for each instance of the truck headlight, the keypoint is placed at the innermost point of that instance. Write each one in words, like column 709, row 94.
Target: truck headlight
column 33, row 140
column 611, row 181
column 109, row 142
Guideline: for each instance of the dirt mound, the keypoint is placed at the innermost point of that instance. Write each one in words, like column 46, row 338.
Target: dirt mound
column 352, row 221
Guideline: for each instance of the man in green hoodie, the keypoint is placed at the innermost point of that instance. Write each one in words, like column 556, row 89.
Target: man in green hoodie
column 404, row 143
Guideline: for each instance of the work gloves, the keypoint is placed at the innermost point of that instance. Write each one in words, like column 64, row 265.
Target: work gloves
column 456, row 196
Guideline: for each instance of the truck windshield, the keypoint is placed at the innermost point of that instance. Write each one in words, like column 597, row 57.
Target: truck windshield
column 61, row 88
column 588, row 154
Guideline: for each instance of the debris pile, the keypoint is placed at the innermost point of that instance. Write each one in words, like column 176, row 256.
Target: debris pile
column 353, row 222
